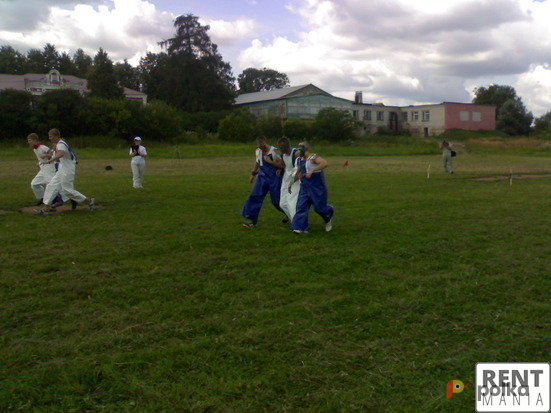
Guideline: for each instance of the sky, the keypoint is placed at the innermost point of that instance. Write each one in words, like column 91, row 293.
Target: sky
column 396, row 52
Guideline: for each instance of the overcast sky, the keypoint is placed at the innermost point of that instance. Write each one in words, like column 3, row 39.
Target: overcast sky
column 398, row 52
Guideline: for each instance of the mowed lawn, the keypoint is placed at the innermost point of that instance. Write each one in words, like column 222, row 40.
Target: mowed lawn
column 159, row 301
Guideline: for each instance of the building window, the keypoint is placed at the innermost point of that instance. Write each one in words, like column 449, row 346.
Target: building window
column 426, row 115
column 464, row 116
column 477, row 116
column 404, row 116
column 356, row 114
column 380, row 115
column 367, row 115
column 414, row 116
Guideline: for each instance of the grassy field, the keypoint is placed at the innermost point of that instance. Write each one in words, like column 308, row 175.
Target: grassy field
column 159, row 301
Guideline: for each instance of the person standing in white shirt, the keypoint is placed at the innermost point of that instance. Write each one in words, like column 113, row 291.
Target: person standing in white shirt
column 137, row 164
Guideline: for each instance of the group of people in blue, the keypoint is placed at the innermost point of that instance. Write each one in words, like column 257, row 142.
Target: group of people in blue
column 295, row 180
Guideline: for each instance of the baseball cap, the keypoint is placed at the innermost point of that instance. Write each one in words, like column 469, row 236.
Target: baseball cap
column 137, row 138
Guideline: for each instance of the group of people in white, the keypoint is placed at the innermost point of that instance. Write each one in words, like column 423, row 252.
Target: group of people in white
column 53, row 185
column 295, row 180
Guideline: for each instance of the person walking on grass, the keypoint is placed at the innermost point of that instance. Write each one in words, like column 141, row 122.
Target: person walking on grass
column 289, row 187
column 266, row 178
column 447, row 160
column 46, row 171
column 63, row 180
column 313, row 191
column 138, row 154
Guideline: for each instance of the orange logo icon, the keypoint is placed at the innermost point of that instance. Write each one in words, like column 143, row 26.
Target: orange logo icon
column 455, row 386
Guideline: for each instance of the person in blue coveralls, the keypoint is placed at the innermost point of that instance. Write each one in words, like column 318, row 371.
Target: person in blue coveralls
column 313, row 191
column 266, row 176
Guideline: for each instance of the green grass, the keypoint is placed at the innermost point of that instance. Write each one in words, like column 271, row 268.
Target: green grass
column 159, row 301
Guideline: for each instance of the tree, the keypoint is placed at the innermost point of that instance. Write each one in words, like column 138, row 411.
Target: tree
column 511, row 115
column 102, row 81
column 59, row 109
column 494, row 95
column 11, row 61
column 15, row 113
column 127, row 75
column 543, row 123
column 192, row 76
column 255, row 80
column 34, row 63
column 82, row 63
column 51, row 58
column 513, row 118
column 66, row 66
column 334, row 125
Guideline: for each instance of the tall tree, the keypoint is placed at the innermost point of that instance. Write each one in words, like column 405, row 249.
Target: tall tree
column 258, row 80
column 494, row 95
column 51, row 58
column 82, row 63
column 35, row 63
column 102, row 81
column 193, row 77
column 66, row 66
column 511, row 115
column 127, row 75
column 513, row 118
column 11, row 61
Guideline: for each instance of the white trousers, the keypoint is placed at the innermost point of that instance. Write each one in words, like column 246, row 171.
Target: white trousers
column 288, row 201
column 42, row 178
column 63, row 182
column 138, row 170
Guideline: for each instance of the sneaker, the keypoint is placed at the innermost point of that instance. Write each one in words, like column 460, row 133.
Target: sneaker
column 285, row 220
column 92, row 203
column 42, row 212
column 298, row 232
column 328, row 226
column 248, row 225
column 38, row 203
column 74, row 204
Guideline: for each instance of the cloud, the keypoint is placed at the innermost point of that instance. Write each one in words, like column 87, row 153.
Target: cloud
column 394, row 50
column 227, row 33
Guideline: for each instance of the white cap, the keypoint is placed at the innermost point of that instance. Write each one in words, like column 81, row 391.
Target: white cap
column 137, row 138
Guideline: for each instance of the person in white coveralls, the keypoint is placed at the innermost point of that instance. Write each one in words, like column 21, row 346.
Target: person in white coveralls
column 63, row 181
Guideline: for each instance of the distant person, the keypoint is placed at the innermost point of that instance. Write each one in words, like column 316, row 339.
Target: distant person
column 137, row 164
column 289, row 187
column 447, row 160
column 313, row 191
column 266, row 178
column 63, row 180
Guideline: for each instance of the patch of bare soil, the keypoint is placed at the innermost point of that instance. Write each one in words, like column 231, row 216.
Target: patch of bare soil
column 515, row 177
column 59, row 210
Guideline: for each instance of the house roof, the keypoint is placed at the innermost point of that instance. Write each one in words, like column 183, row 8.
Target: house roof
column 276, row 94
column 18, row 82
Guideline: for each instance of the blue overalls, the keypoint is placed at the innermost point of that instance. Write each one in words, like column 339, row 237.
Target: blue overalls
column 313, row 191
column 266, row 181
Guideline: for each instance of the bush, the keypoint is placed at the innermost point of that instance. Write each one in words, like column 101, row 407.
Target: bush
column 298, row 130
column 240, row 126
column 15, row 114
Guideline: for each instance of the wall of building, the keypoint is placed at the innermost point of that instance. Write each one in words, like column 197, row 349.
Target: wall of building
column 469, row 117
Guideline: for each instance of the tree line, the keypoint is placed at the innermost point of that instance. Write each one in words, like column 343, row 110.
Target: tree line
column 189, row 86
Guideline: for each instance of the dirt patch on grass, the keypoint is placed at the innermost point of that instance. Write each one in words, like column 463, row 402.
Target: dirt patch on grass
column 507, row 177
column 59, row 210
